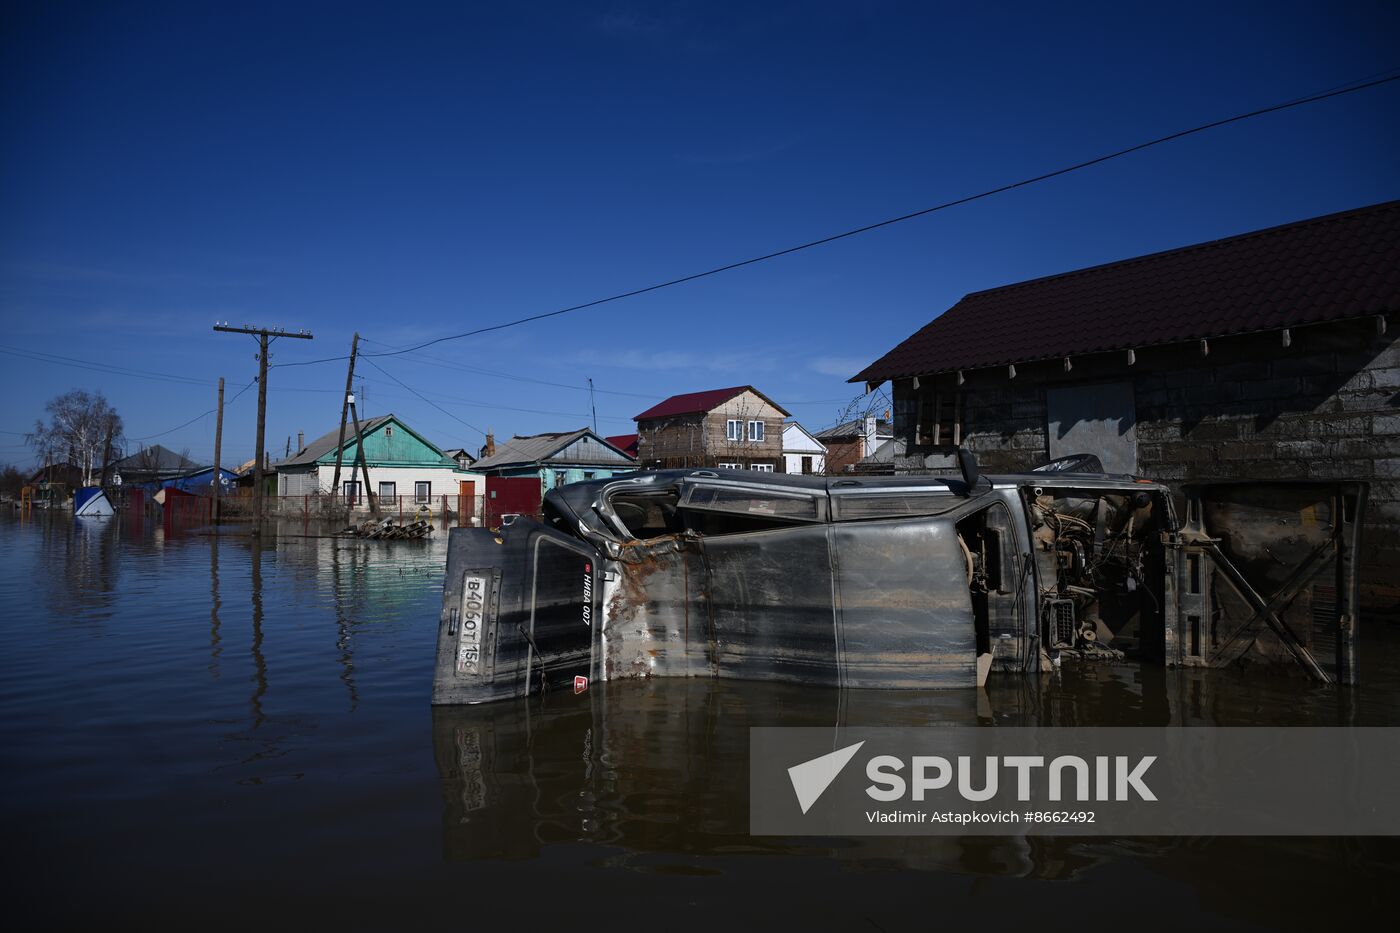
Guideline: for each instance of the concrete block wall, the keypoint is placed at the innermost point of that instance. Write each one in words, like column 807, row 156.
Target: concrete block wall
column 1325, row 407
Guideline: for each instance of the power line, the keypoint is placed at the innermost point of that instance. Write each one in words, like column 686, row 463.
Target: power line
column 421, row 396
column 196, row 418
column 1336, row 91
column 462, row 367
column 54, row 359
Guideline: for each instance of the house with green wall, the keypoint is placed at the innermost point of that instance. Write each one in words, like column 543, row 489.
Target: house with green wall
column 556, row 458
column 401, row 463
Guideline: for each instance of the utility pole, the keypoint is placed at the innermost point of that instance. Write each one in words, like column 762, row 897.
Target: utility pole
column 344, row 410
column 218, row 447
column 593, row 405
column 364, row 466
column 262, row 333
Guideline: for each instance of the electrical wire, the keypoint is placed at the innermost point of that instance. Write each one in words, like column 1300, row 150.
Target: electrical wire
column 424, row 398
column 1336, row 91
column 206, row 414
column 95, row 366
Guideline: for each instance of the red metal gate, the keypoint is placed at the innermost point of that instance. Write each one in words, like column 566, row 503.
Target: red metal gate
column 518, row 495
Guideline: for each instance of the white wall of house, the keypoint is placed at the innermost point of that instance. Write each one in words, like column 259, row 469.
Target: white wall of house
column 441, row 482
column 797, row 443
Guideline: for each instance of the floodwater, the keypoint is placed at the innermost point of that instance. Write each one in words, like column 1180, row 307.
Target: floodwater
column 205, row 733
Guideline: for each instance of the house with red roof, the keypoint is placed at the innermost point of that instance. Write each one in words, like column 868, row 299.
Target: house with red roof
column 737, row 428
column 1270, row 355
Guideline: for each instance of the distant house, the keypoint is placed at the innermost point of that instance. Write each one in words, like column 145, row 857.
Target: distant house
column 802, row 452
column 849, row 443
column 244, row 478
column 200, row 481
column 400, row 461
column 627, row 443
column 556, row 458
column 739, row 428
column 459, row 454
column 55, row 482
column 150, row 467
column 65, row 474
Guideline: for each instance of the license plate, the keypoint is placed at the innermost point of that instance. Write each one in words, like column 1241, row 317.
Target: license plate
column 474, row 595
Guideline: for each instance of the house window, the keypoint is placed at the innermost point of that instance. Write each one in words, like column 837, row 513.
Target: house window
column 806, row 466
column 388, row 491
column 351, row 491
column 422, row 491
column 388, row 431
column 938, row 417
column 756, row 430
column 734, row 430
column 761, row 467
column 587, row 474
column 560, row 477
column 731, row 466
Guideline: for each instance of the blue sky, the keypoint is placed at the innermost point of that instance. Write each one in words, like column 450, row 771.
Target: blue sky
column 412, row 170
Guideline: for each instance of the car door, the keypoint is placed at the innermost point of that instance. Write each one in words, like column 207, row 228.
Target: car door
column 906, row 615
column 768, row 579
column 1269, row 575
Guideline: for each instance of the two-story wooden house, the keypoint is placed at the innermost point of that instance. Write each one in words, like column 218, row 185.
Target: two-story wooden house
column 739, row 428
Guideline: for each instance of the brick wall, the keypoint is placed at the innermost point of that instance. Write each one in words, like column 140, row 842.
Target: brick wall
column 1326, row 407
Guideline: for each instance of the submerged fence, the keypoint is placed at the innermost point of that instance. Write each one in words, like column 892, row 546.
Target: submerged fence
column 463, row 511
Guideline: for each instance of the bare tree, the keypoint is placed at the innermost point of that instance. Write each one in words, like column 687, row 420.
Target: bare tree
column 82, row 428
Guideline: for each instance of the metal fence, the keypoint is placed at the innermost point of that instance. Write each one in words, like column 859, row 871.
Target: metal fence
column 462, row 511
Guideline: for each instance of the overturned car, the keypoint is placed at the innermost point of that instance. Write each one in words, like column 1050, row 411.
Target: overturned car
column 896, row 582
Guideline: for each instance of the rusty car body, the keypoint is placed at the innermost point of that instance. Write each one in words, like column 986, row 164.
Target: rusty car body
column 896, row 582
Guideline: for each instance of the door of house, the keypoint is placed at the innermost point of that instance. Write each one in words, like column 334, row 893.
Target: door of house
column 466, row 501
column 1099, row 418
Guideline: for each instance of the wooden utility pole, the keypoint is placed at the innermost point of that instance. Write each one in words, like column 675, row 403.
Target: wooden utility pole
column 364, row 465
column 218, row 447
column 262, row 333
column 344, row 410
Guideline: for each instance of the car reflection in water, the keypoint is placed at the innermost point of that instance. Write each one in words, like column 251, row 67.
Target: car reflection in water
column 659, row 771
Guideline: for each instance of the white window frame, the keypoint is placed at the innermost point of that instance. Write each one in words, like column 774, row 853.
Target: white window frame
column 756, row 431
column 422, row 497
column 731, row 466
column 761, row 467
column 351, row 491
column 734, row 429
column 393, row 492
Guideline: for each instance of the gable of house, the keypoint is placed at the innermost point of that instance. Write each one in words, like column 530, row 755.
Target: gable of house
column 796, row 438
column 581, row 447
column 388, row 442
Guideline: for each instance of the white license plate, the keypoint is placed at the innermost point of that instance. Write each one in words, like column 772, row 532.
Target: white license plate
column 474, row 595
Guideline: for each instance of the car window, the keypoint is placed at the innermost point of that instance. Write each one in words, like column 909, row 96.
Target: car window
column 716, row 509
column 855, row 506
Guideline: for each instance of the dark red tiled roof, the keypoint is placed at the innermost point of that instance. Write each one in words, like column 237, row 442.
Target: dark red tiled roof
column 1309, row 272
column 627, row 443
column 693, row 402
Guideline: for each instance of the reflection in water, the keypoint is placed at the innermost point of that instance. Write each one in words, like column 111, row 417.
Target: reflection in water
column 660, row 768
column 255, row 704
column 343, row 622
column 169, row 734
column 215, row 603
